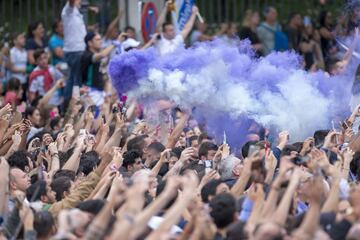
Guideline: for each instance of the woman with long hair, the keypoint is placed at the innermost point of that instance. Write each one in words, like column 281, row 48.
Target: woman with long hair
column 248, row 30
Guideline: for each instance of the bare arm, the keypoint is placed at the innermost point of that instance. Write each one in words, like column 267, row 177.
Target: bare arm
column 160, row 202
column 284, row 206
column 74, row 161
column 177, row 131
column 162, row 17
column 189, row 25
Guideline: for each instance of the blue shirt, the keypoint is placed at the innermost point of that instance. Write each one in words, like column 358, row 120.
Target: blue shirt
column 55, row 42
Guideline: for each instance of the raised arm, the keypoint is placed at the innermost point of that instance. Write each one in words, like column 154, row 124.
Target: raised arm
column 177, row 131
column 162, row 17
column 190, row 24
column 284, row 206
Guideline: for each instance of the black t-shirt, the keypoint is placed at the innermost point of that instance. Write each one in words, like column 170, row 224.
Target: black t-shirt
column 90, row 71
column 247, row 33
column 31, row 44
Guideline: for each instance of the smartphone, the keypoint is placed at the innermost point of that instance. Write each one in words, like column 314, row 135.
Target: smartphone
column 103, row 118
column 253, row 149
column 307, row 21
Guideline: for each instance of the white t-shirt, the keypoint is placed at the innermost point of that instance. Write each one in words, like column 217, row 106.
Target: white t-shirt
column 18, row 57
column 74, row 29
column 165, row 46
column 37, row 85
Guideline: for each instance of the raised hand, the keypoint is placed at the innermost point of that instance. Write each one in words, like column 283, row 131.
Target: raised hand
column 7, row 109
column 16, row 138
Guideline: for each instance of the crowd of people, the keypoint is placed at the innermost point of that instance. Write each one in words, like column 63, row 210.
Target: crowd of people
column 79, row 162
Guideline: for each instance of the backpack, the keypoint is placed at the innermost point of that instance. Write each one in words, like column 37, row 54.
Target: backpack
column 281, row 40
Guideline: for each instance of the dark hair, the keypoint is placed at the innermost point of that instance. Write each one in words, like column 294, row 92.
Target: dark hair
column 293, row 15
column 223, row 208
column 177, row 151
column 209, row 189
column 203, row 136
column 193, row 138
column 88, row 161
column 38, row 53
column 13, row 84
column 54, row 122
column 89, row 36
column 165, row 25
column 195, row 166
column 319, row 137
column 91, row 206
column 127, row 28
column 137, row 143
column 237, row 231
column 246, row 147
column 19, row 159
column 206, row 147
column 55, row 25
column 322, row 17
column 60, row 185
column 43, row 223
column 29, row 111
column 15, row 35
column 156, row 146
column 36, row 191
column 129, row 158
column 65, row 173
column 32, row 27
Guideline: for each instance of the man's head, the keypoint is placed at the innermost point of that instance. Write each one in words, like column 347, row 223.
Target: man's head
column 132, row 161
column 62, row 187
column 230, row 168
column 223, row 210
column 153, row 151
column 33, row 114
column 19, row 39
column 130, row 31
column 44, row 225
column 19, row 180
column 270, row 14
column 93, row 41
column 168, row 31
column 58, row 27
column 295, row 19
column 88, row 162
column 41, row 58
column 139, row 143
column 207, row 151
column 213, row 188
column 193, row 141
column 21, row 159
column 40, row 191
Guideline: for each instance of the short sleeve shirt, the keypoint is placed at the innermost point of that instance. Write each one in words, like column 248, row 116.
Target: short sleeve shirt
column 166, row 46
column 56, row 42
column 18, row 58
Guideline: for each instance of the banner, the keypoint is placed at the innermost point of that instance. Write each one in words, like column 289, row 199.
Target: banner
column 182, row 13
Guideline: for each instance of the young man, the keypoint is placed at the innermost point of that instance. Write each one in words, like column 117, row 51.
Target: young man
column 293, row 31
column 74, row 46
column 90, row 65
column 18, row 58
column 43, row 78
column 169, row 40
column 266, row 30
